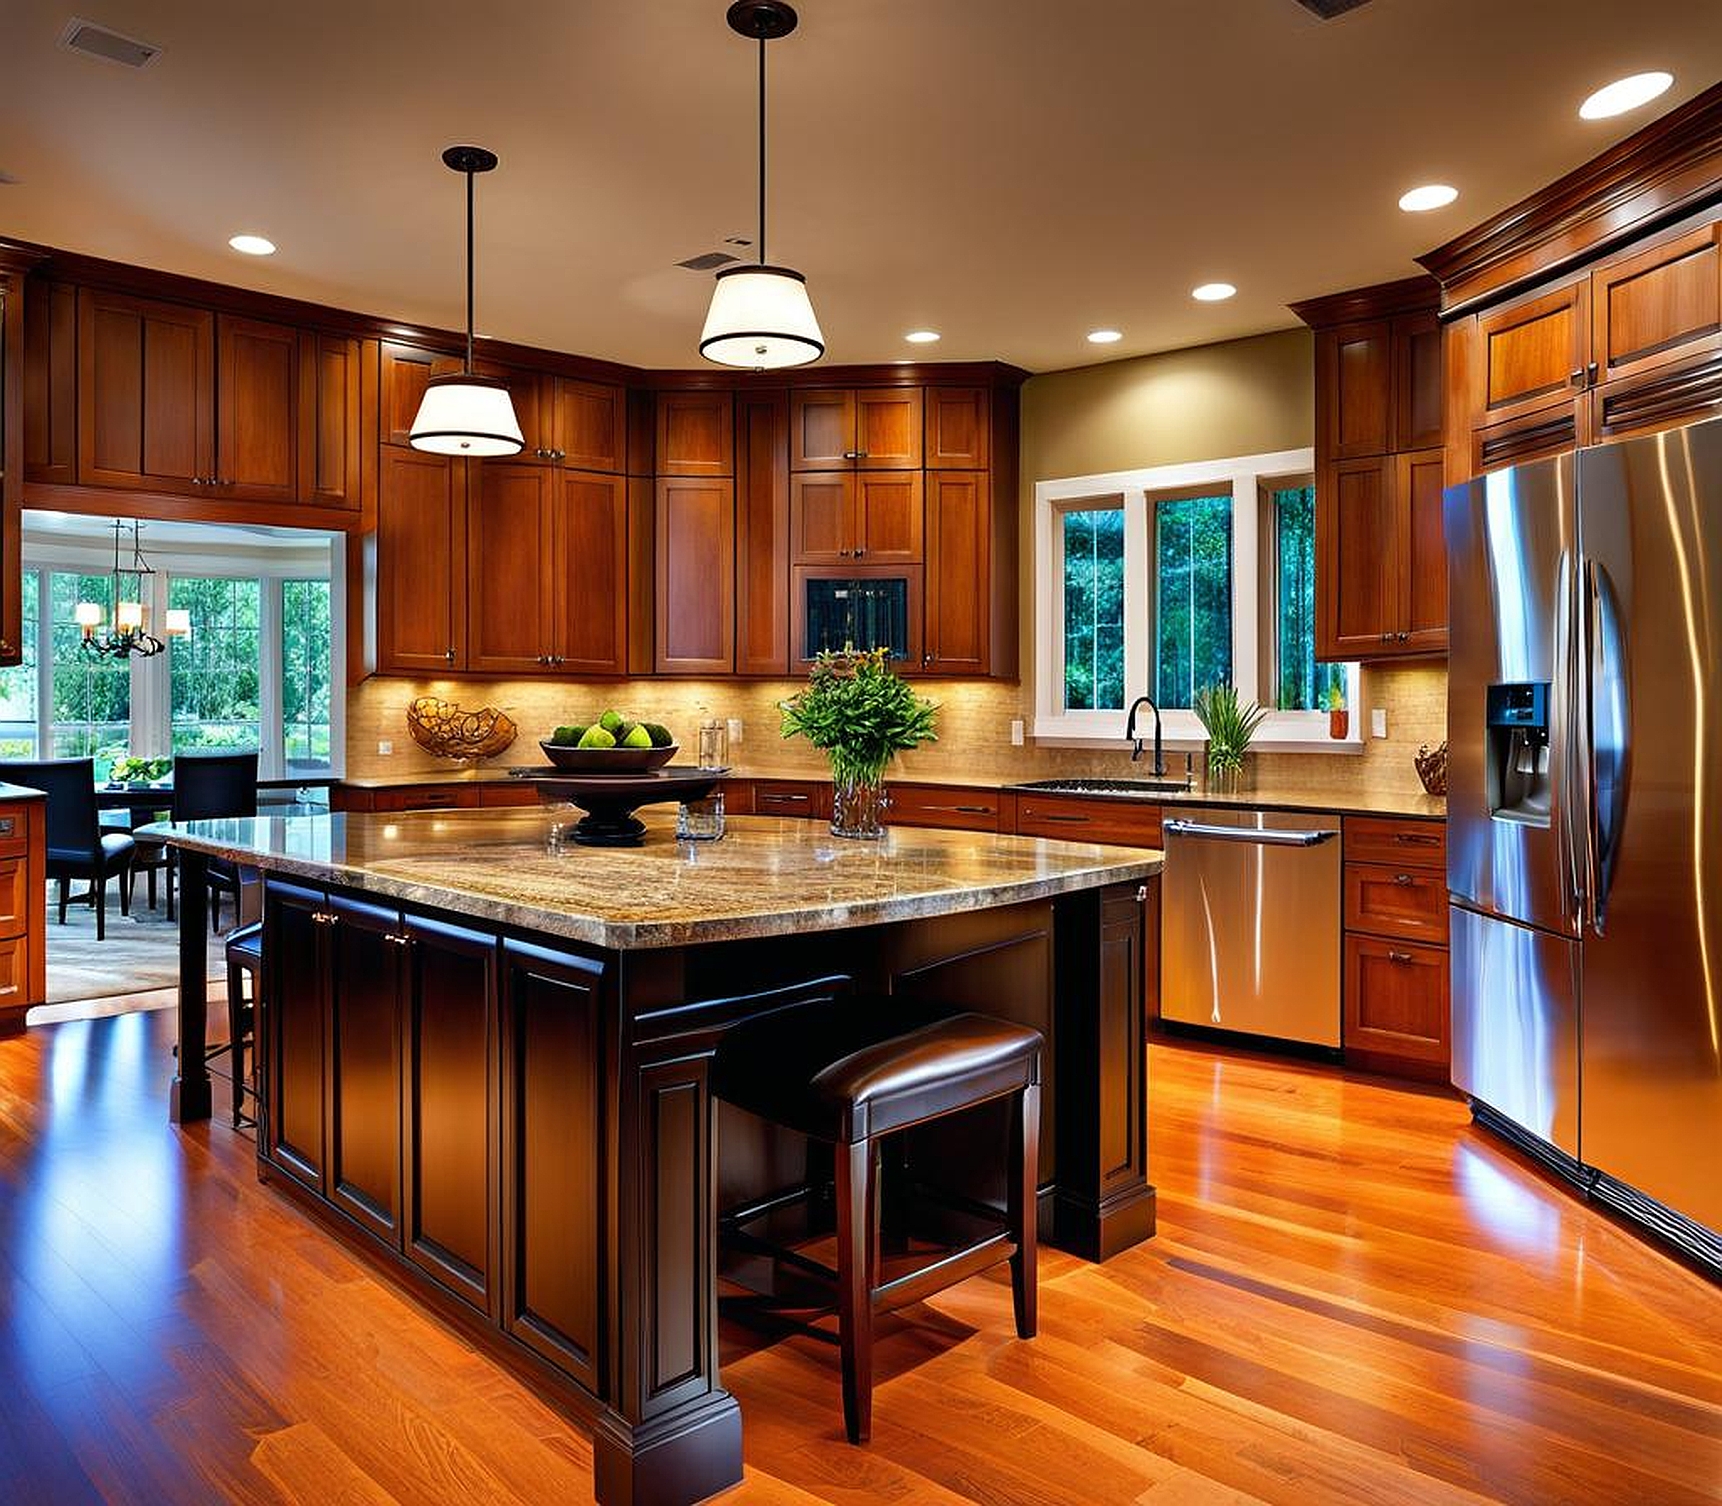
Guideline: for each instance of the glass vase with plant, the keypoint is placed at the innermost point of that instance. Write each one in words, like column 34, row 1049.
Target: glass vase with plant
column 859, row 714
column 1338, row 718
column 1230, row 724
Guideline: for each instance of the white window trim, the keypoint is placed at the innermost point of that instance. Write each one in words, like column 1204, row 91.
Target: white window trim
column 1244, row 476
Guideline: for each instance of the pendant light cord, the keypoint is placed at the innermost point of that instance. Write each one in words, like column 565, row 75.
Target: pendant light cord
column 762, row 151
column 469, row 177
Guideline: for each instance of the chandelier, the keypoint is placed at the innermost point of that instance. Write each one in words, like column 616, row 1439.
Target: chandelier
column 127, row 617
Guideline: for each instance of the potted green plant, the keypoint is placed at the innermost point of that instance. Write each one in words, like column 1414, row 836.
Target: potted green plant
column 1338, row 718
column 1230, row 724
column 858, row 713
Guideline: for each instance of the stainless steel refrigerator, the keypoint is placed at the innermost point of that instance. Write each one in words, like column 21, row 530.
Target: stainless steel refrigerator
column 1585, row 819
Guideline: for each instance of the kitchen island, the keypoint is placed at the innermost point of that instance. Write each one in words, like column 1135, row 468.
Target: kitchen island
column 484, row 1064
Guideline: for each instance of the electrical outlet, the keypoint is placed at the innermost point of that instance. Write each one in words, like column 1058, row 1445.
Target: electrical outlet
column 1378, row 722
column 1016, row 733
column 385, row 748
column 735, row 732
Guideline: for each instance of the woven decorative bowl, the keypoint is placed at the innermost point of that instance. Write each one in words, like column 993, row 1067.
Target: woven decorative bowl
column 1432, row 768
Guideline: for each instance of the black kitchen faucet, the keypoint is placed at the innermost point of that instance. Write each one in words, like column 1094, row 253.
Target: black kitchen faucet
column 1159, row 769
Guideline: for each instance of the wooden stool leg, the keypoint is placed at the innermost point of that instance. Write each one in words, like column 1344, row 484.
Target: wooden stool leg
column 99, row 898
column 1024, row 1177
column 235, row 1037
column 854, row 1166
column 126, row 880
column 65, row 894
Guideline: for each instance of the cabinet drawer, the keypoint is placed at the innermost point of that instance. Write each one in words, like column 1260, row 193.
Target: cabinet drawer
column 1075, row 819
column 1396, row 901
column 792, row 797
column 516, row 792
column 1402, row 844
column 945, row 805
column 14, row 832
column 426, row 798
column 1396, row 999
column 14, row 896
column 15, row 972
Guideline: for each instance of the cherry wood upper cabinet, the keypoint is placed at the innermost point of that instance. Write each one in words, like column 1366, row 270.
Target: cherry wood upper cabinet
column 1420, row 552
column 1532, row 353
column 591, row 424
column 762, row 534
column 51, row 383
column 958, row 428
column 695, row 556
column 888, row 518
column 959, row 574
column 532, row 410
column 510, row 568
column 146, row 393
column 821, row 517
column 421, row 554
column 591, row 573
column 257, row 410
column 1354, row 366
column 1660, row 305
column 870, row 428
column 695, row 434
column 1354, row 543
column 405, row 370
column 1417, row 382
column 330, row 426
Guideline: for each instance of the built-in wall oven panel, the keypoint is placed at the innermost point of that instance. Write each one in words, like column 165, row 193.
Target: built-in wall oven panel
column 1250, row 929
column 1516, row 1023
column 864, row 607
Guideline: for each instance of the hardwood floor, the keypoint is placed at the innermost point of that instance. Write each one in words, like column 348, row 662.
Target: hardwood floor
column 1353, row 1297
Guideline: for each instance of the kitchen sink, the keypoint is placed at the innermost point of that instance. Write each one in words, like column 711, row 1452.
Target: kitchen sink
column 1140, row 788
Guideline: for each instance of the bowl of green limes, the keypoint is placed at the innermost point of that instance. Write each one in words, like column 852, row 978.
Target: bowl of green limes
column 611, row 745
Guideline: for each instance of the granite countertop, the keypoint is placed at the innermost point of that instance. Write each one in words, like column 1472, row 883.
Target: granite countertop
column 1274, row 797
column 767, row 877
column 16, row 792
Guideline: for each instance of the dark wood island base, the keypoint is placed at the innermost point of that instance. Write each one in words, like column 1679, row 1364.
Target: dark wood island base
column 516, row 1126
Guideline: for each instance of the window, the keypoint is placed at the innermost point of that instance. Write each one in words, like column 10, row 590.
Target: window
column 19, row 690
column 91, row 698
column 307, row 731
column 213, row 674
column 1165, row 580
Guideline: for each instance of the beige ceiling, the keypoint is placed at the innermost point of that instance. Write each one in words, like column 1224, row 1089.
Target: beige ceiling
column 1011, row 172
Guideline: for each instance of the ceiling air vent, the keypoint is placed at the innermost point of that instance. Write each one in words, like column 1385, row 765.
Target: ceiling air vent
column 706, row 261
column 110, row 46
column 1328, row 9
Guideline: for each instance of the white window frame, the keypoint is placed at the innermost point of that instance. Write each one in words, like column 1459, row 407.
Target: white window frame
column 1248, row 478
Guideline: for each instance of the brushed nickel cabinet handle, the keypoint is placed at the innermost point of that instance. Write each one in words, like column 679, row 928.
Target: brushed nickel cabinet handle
column 396, row 940
column 7, row 825
column 1576, row 378
column 1055, row 816
column 1416, row 839
column 1398, row 956
column 1402, row 878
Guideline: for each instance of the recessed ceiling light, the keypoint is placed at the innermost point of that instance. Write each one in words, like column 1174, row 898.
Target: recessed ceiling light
column 1429, row 196
column 1625, row 94
column 1212, row 292
column 253, row 245
column 921, row 336
column 1105, row 336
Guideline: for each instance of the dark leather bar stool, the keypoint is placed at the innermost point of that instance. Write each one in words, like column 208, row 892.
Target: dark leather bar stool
column 244, row 963
column 850, row 1071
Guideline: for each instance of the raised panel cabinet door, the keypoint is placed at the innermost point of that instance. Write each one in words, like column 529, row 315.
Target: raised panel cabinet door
column 451, row 1201
column 591, row 425
column 695, row 608
column 888, row 428
column 821, row 429
column 1356, row 584
column 510, row 568
column 421, row 562
column 330, row 458
column 146, row 393
column 1661, row 305
column 528, row 392
column 404, row 372
column 554, row 1228
column 822, row 517
column 1354, row 377
column 1531, row 353
column 695, row 434
column 1418, row 382
column 51, row 383
column 366, row 950
column 958, row 426
column 295, row 1026
column 257, row 410
column 959, row 600
column 591, row 573
column 889, row 522
column 1422, row 552
column 1396, row 999
column 762, row 534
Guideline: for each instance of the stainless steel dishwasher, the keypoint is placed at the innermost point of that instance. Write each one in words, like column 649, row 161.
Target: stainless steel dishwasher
column 1251, row 929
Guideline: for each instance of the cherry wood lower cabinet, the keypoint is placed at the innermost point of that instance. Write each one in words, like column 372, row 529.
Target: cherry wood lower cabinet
column 23, row 911
column 954, row 807
column 520, row 1129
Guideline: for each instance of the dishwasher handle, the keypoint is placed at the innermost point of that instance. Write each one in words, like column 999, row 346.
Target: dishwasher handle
column 1258, row 836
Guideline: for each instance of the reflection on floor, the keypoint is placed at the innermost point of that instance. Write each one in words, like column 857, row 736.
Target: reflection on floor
column 1353, row 1297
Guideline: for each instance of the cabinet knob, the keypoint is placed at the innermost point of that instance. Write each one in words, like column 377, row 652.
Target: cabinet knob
column 1576, row 378
column 449, row 656
column 1387, row 637
column 197, row 481
column 1402, row 878
column 1405, row 637
column 859, row 553
column 1398, row 956
column 544, row 454
column 559, row 454
column 1590, row 372
column 851, row 454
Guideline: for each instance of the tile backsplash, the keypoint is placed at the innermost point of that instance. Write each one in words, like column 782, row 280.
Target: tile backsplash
column 974, row 728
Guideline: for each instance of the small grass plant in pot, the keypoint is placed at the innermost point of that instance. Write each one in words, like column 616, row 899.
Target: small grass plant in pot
column 1338, row 718
column 1230, row 725
column 859, row 714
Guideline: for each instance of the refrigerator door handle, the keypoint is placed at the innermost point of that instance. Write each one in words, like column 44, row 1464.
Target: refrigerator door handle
column 1609, row 718
column 1574, row 807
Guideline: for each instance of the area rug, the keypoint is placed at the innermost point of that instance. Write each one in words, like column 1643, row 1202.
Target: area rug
column 138, row 959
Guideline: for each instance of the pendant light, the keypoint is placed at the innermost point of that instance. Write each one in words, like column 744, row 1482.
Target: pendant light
column 760, row 316
column 129, row 593
column 465, row 413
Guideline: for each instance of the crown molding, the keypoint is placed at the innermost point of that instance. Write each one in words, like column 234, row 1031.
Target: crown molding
column 1409, row 295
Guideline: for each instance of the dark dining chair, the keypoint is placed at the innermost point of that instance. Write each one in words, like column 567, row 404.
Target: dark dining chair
column 208, row 787
column 78, row 848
